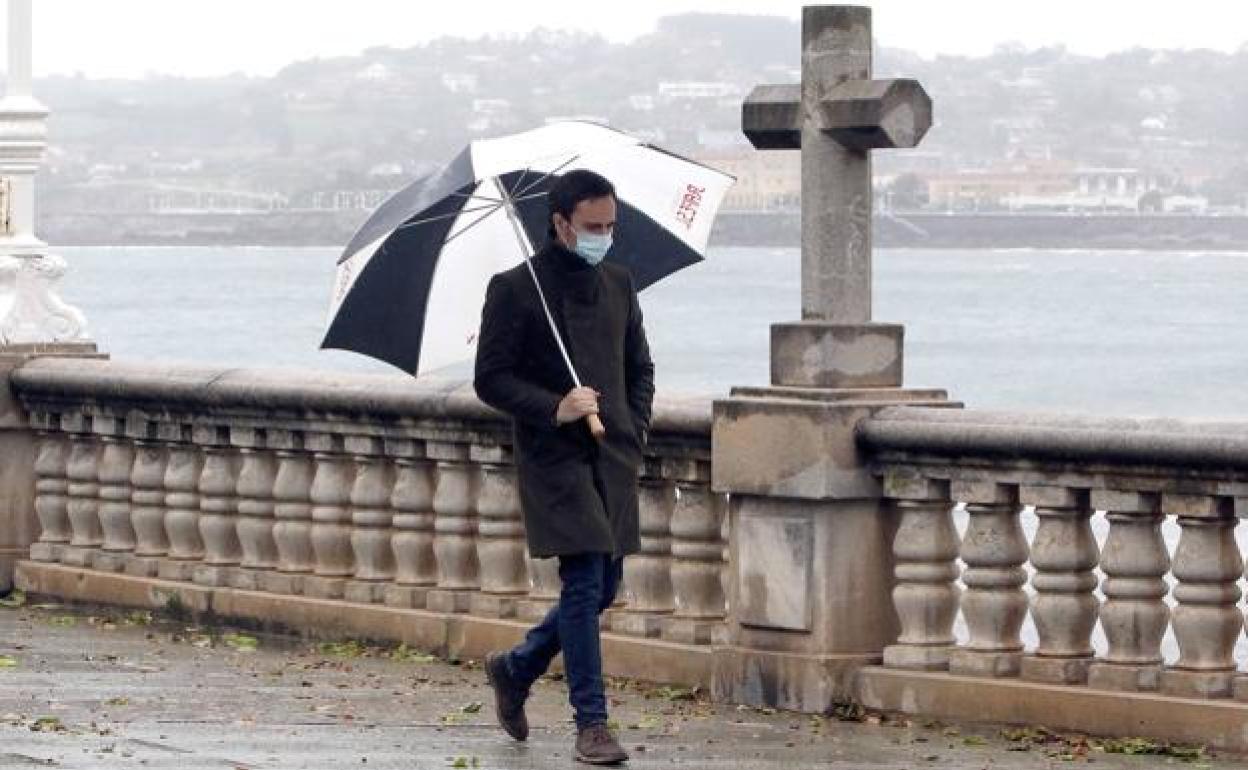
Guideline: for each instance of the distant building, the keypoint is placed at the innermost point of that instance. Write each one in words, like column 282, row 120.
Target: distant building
column 996, row 188
column 1041, row 186
column 641, row 102
column 460, row 82
column 386, row 169
column 375, row 72
column 766, row 181
column 340, row 200
column 1185, row 204
column 696, row 90
column 491, row 106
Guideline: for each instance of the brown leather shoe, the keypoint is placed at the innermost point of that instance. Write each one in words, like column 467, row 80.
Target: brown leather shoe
column 595, row 745
column 509, row 697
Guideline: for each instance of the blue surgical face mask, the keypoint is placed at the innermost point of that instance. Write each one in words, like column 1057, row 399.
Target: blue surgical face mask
column 591, row 247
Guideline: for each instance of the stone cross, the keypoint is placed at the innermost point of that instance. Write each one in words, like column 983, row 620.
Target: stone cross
column 836, row 116
column 811, row 542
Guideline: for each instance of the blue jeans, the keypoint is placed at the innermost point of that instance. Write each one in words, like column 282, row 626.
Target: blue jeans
column 590, row 581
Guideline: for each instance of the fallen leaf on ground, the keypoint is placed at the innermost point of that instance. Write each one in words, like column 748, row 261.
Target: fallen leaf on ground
column 346, row 649
column 406, row 654
column 241, row 642
column 47, row 725
column 674, row 693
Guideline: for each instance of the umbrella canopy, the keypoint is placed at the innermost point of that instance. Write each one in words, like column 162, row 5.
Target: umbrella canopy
column 411, row 283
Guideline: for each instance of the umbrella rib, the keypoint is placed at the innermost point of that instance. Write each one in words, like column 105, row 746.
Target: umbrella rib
column 549, row 174
column 519, row 181
column 471, row 225
column 474, row 196
column 529, row 197
column 451, row 215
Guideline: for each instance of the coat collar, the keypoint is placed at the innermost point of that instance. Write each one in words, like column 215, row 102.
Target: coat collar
column 575, row 277
column 565, row 260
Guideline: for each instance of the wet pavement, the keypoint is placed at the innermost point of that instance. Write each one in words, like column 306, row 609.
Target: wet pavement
column 95, row 688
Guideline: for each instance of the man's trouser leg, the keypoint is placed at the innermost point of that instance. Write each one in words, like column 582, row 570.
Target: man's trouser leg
column 590, row 583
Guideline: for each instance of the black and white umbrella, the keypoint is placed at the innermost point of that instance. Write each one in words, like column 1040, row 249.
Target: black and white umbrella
column 411, row 283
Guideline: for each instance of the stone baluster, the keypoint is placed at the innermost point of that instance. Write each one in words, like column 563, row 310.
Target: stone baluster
column 1134, row 616
column 697, row 554
column 292, row 513
column 218, row 514
column 51, row 497
column 994, row 604
column 1239, row 685
column 186, row 546
column 254, row 525
column 334, row 560
column 372, row 518
column 1207, row 620
column 455, row 528
column 648, row 593
column 116, row 465
column 83, row 505
column 926, row 595
column 147, row 508
column 500, row 538
column 415, row 568
column 1064, row 608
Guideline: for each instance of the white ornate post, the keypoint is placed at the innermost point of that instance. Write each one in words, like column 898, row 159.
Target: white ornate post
column 30, row 311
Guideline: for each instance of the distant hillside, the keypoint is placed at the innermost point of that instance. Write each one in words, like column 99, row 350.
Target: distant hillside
column 364, row 124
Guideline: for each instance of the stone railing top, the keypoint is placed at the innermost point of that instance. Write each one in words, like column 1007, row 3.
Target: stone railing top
column 1052, row 438
column 293, row 390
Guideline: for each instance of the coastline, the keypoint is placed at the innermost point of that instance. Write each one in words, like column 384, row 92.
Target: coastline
column 911, row 230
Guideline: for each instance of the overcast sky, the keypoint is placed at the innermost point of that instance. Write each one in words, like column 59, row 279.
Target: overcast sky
column 129, row 38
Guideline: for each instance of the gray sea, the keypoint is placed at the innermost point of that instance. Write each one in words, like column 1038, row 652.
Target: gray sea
column 1102, row 332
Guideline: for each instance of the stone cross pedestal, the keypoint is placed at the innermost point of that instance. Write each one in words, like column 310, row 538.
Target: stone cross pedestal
column 811, row 544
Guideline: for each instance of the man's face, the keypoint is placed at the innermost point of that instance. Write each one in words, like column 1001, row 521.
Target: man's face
column 594, row 215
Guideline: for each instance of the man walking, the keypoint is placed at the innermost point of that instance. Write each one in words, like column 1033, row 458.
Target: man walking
column 578, row 493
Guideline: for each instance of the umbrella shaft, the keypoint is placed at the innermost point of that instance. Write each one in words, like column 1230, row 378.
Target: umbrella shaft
column 527, row 247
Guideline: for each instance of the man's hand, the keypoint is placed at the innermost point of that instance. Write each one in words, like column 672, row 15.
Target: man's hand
column 578, row 403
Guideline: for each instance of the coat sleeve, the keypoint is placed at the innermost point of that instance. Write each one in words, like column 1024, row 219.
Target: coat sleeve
column 498, row 351
column 638, row 367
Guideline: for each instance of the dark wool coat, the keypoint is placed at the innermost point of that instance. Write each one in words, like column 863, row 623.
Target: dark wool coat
column 577, row 495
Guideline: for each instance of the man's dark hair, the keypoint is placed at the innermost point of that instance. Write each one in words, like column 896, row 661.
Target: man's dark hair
column 572, row 188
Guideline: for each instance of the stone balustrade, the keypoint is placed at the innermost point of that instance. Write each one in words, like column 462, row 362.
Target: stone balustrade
column 1071, row 572
column 1034, row 492
column 372, row 490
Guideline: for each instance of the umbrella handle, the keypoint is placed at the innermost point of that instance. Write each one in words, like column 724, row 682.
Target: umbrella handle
column 596, row 428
